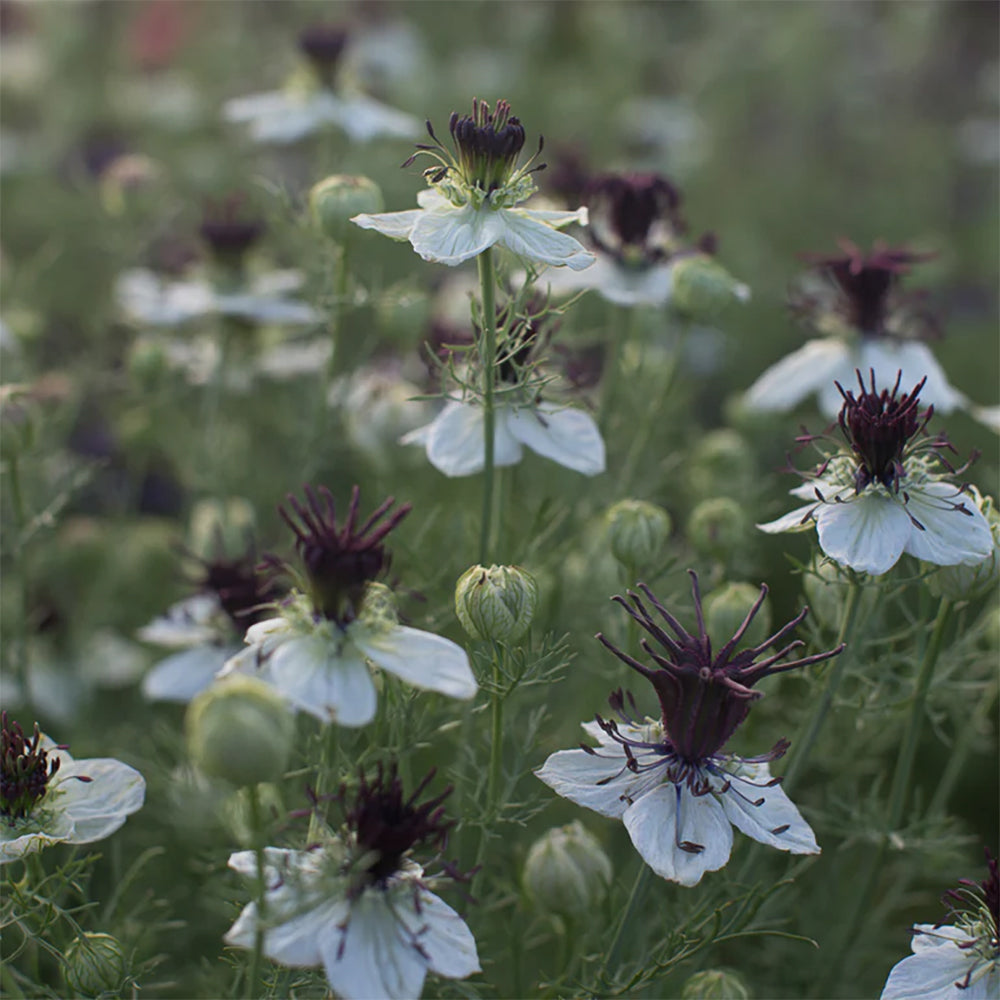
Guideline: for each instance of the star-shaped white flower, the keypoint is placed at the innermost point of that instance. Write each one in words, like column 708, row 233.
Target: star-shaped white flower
column 455, row 446
column 945, row 965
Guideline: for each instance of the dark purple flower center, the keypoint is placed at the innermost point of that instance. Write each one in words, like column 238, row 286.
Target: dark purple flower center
column 339, row 560
column 704, row 696
column 488, row 143
column 323, row 45
column 227, row 230
column 878, row 426
column 242, row 592
column 25, row 771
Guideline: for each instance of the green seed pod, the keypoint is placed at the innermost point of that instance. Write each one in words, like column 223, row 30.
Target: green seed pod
column 959, row 583
column 567, row 872
column 94, row 964
column 240, row 730
column 725, row 609
column 718, row 526
column 715, row 984
column 703, row 288
column 637, row 532
column 496, row 603
column 722, row 465
column 335, row 200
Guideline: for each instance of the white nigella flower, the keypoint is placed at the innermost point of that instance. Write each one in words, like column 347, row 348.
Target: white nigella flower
column 868, row 325
column 286, row 116
column 959, row 961
column 46, row 797
column 669, row 780
column 316, row 651
column 472, row 201
column 359, row 905
column 888, row 492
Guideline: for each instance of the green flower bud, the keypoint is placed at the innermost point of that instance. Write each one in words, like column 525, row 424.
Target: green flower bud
column 496, row 603
column 715, row 984
column 335, row 200
column 637, row 532
column 567, row 872
column 722, row 465
column 94, row 964
column 969, row 582
column 240, row 730
column 703, row 287
column 718, row 526
column 725, row 609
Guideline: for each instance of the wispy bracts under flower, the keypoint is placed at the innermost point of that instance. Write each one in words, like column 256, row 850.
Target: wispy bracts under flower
column 887, row 489
column 670, row 779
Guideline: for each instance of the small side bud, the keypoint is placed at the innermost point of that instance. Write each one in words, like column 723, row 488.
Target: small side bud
column 336, row 199
column 637, row 532
column 94, row 964
column 702, row 287
column 725, row 609
column 240, row 730
column 718, row 526
column 567, row 872
column 496, row 603
column 722, row 465
column 715, row 984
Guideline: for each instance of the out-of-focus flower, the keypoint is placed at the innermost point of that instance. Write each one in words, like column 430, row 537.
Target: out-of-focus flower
column 315, row 652
column 888, row 491
column 470, row 205
column 670, row 780
column 868, row 324
column 46, row 797
column 285, row 116
column 957, row 961
column 358, row 904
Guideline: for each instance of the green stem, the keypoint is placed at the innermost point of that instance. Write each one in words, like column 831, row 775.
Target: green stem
column 260, row 892
column 623, row 325
column 634, row 902
column 327, row 759
column 487, row 357
column 340, row 275
column 20, row 627
column 496, row 741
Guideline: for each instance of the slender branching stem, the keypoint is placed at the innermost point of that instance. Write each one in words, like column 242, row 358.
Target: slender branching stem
column 487, row 358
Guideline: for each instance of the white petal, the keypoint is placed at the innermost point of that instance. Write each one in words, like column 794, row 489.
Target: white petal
column 800, row 519
column 930, row 975
column 244, row 109
column 363, row 119
column 16, row 843
column 146, row 298
column 569, row 437
column 928, row 936
column 295, row 122
column 523, row 232
column 950, row 536
column 454, row 235
column 331, row 683
column 444, row 937
column 100, row 806
column 670, row 815
column 181, row 676
column 190, row 622
column 988, row 416
column 761, row 821
column 785, row 384
column 558, row 217
column 868, row 533
column 598, row 781
column 397, row 225
column 272, row 284
column 420, row 658
column 887, row 358
column 454, row 440
column 431, row 198
column 266, row 309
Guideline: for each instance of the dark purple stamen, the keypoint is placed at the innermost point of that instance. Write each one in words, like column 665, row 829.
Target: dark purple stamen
column 243, row 593
column 227, row 230
column 987, row 891
column 25, row 770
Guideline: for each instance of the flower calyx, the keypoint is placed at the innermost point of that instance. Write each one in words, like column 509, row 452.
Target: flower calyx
column 25, row 771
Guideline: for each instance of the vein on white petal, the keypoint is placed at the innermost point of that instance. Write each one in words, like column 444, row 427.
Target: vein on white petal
column 950, row 536
column 397, row 225
column 444, row 937
column 558, row 218
column 569, row 437
column 930, row 975
column 594, row 781
column 867, row 533
column 454, row 235
column 800, row 519
column 797, row 375
column 181, row 676
column 524, row 234
column 99, row 806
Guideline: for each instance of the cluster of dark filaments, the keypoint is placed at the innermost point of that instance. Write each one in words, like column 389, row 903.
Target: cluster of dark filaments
column 982, row 900
column 323, row 45
column 243, row 593
column 634, row 215
column 704, row 696
column 339, row 559
column 25, row 770
column 227, row 228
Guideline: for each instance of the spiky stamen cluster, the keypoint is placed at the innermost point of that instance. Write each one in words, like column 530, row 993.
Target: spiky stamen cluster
column 705, row 697
column 339, row 560
column 25, row 770
column 243, row 593
column 975, row 909
column 228, row 230
column 323, row 45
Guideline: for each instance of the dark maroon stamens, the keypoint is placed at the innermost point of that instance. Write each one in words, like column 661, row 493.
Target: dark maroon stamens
column 25, row 770
column 988, row 891
column 339, row 561
column 243, row 593
column 488, row 143
column 227, row 230
column 323, row 45
column 704, row 698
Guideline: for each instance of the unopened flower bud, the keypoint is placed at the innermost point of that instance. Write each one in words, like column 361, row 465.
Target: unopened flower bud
column 963, row 582
column 240, row 730
column 703, row 287
column 567, row 872
column 496, row 603
column 722, row 465
column 715, row 984
column 726, row 607
column 718, row 526
column 94, row 964
column 335, row 200
column 637, row 532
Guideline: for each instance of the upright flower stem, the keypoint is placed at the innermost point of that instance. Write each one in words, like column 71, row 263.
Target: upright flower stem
column 260, row 891
column 634, row 903
column 495, row 773
column 487, row 358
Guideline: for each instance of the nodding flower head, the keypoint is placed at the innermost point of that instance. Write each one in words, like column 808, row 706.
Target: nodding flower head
column 878, row 427
column 704, row 697
column 340, row 560
column 323, row 45
column 228, row 230
column 384, row 825
column 25, row 771
column 635, row 217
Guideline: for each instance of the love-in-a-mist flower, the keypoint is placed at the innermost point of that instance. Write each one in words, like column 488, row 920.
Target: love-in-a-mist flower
column 207, row 628
column 888, row 491
column 338, row 618
column 670, row 780
column 454, row 440
column 958, row 960
column 358, row 904
column 46, row 797
column 867, row 322
column 318, row 100
column 471, row 204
